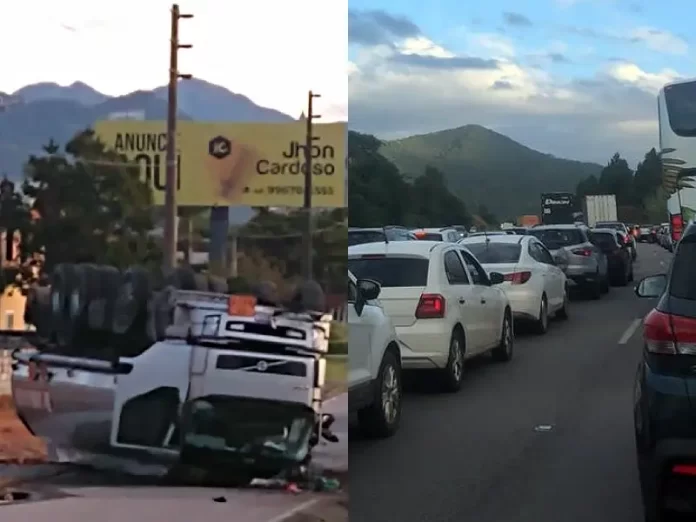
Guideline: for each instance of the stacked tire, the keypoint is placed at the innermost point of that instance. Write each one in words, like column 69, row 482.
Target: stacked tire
column 97, row 311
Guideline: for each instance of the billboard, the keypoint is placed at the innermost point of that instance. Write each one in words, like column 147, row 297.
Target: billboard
column 223, row 164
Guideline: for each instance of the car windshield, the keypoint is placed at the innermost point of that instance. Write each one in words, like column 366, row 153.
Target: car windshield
column 248, row 427
column 392, row 271
column 489, row 252
column 555, row 238
column 359, row 237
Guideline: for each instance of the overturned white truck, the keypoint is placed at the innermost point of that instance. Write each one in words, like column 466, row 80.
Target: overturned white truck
column 153, row 374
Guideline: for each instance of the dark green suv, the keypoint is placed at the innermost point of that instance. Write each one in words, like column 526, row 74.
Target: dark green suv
column 665, row 388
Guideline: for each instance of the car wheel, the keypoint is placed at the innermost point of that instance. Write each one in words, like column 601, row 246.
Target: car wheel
column 503, row 352
column 605, row 284
column 541, row 325
column 454, row 371
column 630, row 275
column 381, row 419
column 623, row 278
column 595, row 288
column 563, row 312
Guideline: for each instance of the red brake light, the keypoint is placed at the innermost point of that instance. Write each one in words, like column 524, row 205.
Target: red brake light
column 627, row 239
column 430, row 306
column 669, row 334
column 585, row 252
column 677, row 224
column 684, row 469
column 518, row 278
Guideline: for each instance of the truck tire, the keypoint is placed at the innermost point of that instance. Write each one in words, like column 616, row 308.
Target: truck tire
column 217, row 284
column 201, row 282
column 100, row 313
column 182, row 278
column 130, row 304
column 62, row 283
column 308, row 297
column 85, row 288
column 37, row 310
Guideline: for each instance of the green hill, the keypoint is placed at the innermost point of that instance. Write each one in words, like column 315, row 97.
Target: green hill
column 484, row 167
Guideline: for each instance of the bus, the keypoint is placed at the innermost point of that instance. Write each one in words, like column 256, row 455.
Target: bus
column 676, row 109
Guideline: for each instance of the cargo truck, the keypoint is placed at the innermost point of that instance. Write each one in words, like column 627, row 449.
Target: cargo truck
column 121, row 375
column 599, row 208
column 558, row 208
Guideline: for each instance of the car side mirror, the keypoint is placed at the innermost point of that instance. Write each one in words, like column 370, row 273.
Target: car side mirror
column 367, row 291
column 652, row 286
column 496, row 278
column 561, row 261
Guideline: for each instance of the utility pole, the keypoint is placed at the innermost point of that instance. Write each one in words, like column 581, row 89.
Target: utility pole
column 170, row 207
column 308, row 246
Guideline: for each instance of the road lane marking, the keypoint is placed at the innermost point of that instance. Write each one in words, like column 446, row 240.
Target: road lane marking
column 630, row 331
column 294, row 511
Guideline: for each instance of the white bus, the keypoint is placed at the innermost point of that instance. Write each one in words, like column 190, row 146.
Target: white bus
column 676, row 107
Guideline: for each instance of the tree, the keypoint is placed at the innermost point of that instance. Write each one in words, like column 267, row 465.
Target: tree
column 648, row 176
column 378, row 193
column 617, row 178
column 91, row 205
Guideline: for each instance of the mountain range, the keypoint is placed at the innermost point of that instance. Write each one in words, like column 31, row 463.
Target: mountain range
column 484, row 167
column 32, row 115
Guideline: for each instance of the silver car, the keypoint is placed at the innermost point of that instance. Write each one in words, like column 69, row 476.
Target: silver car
column 584, row 264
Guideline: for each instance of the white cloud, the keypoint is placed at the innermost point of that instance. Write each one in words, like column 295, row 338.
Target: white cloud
column 123, row 49
column 660, row 41
column 492, row 44
column 630, row 73
column 584, row 119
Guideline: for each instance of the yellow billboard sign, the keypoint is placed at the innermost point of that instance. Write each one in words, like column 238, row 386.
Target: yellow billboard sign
column 222, row 164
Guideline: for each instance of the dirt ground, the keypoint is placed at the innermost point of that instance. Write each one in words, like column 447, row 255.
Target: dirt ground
column 17, row 445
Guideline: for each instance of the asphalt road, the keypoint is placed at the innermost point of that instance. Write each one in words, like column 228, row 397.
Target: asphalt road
column 546, row 437
column 66, row 493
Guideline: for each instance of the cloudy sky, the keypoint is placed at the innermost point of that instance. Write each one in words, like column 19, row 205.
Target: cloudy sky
column 253, row 48
column 574, row 78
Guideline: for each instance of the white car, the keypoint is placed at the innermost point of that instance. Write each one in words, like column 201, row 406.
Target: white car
column 536, row 287
column 374, row 375
column 443, row 304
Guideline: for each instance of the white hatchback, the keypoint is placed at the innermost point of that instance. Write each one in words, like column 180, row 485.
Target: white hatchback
column 443, row 304
column 374, row 375
column 536, row 287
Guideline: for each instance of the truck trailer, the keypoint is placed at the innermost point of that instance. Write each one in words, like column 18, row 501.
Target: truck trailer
column 598, row 208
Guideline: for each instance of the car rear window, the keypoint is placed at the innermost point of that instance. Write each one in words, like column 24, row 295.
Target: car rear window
column 683, row 283
column 555, row 238
column 613, row 226
column 605, row 240
column 359, row 237
column 495, row 253
column 391, row 271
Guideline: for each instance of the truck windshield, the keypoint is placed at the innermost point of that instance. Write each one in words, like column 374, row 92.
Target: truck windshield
column 248, row 427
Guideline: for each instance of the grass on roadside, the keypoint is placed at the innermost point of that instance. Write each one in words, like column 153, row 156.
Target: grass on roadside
column 337, row 370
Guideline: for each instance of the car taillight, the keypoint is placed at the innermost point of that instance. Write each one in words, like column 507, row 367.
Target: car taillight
column 669, row 334
column 684, row 469
column 430, row 306
column 677, row 224
column 585, row 252
column 518, row 278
